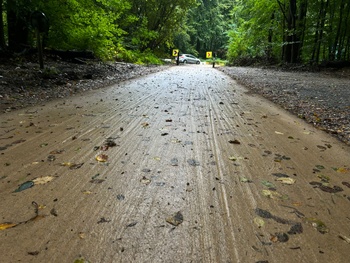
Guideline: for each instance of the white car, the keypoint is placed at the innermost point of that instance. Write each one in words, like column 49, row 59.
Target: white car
column 188, row 58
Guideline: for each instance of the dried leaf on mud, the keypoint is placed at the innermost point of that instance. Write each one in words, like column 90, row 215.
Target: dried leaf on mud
column 96, row 181
column 345, row 238
column 175, row 219
column 110, row 142
column 72, row 166
column 43, row 180
column 274, row 195
column 279, row 237
column 51, row 158
column 56, row 151
column 326, row 188
column 324, row 178
column 132, row 224
column 102, row 158
column 145, row 125
column 76, row 166
column 318, row 225
column 234, row 142
column 235, row 158
column 343, row 170
column 346, row 184
column 286, row 180
column 145, row 180
column 4, row 226
column 245, row 180
column 259, row 222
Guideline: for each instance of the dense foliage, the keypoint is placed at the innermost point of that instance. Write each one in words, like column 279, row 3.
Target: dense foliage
column 290, row 31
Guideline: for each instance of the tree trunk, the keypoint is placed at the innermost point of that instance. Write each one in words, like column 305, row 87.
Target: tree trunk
column 2, row 31
column 269, row 38
column 17, row 28
column 337, row 37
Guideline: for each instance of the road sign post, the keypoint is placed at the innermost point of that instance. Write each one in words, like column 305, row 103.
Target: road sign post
column 176, row 54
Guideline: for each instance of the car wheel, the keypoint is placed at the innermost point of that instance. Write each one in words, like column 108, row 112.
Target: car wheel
column 185, row 61
column 198, row 62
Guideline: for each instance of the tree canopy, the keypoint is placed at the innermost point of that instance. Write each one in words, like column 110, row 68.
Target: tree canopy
column 289, row 31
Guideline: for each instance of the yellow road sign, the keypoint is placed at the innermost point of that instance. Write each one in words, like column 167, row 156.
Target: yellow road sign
column 175, row 52
column 209, row 54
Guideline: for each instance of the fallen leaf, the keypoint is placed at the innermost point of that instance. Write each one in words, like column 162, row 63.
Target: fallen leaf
column 132, row 224
column 51, row 158
column 268, row 184
column 235, row 158
column 343, row 170
column 286, row 180
column 345, row 238
column 75, row 166
column 245, row 180
column 346, row 184
column 53, row 212
column 110, row 142
column 145, row 125
column 324, row 178
column 69, row 164
column 43, row 180
column 120, row 197
column 145, row 180
column 24, row 186
column 4, row 226
column 234, row 142
column 193, row 162
column 176, row 219
column 103, row 220
column 259, row 222
column 96, row 181
column 33, row 253
column 279, row 237
column 279, row 133
column 318, row 224
column 56, row 151
column 274, row 195
column 102, row 158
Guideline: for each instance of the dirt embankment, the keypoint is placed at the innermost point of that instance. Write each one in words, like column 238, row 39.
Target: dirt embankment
column 23, row 84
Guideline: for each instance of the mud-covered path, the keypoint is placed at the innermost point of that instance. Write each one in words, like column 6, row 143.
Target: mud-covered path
column 179, row 166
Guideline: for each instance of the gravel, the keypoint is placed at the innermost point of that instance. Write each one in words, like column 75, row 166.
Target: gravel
column 320, row 98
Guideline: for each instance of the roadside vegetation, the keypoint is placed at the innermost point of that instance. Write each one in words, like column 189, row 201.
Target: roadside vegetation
column 241, row 32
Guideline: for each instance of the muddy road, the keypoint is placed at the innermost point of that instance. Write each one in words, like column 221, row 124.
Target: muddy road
column 183, row 165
